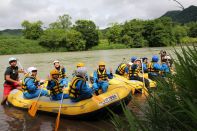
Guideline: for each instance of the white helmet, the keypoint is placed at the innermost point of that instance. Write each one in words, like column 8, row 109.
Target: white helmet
column 30, row 69
column 55, row 61
column 167, row 57
column 81, row 71
column 12, row 59
column 130, row 63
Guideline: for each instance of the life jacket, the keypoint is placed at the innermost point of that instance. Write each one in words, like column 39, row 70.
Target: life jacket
column 24, row 82
column 56, row 89
column 73, row 91
column 102, row 75
column 62, row 73
column 151, row 68
column 121, row 68
column 133, row 72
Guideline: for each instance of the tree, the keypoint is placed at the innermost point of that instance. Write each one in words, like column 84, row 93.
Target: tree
column 192, row 29
column 134, row 29
column 74, row 41
column 63, row 22
column 32, row 30
column 88, row 31
column 179, row 32
column 53, row 38
column 114, row 33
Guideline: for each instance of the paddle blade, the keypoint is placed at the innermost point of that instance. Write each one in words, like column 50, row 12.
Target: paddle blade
column 57, row 122
column 33, row 109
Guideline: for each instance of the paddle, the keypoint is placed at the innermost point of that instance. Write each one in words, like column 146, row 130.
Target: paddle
column 143, row 76
column 34, row 106
column 58, row 116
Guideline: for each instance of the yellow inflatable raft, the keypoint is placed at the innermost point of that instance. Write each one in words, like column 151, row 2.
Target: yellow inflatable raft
column 97, row 106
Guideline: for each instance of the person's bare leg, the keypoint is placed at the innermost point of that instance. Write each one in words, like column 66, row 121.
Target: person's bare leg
column 5, row 97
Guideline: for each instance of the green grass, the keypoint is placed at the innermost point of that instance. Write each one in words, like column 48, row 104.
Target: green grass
column 173, row 106
column 189, row 40
column 104, row 45
column 19, row 45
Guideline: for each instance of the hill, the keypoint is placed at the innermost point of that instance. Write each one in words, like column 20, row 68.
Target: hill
column 185, row 16
column 17, row 32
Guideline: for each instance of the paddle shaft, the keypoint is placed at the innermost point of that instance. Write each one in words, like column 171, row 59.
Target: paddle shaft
column 58, row 116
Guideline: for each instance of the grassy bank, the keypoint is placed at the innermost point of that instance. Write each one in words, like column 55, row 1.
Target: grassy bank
column 19, row 45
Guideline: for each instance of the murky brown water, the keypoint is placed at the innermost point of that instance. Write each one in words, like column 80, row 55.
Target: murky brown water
column 15, row 119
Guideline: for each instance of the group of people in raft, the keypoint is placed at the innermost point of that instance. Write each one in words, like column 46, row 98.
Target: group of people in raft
column 79, row 87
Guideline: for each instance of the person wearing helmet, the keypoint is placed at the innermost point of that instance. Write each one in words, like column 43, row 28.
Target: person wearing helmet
column 101, row 78
column 56, row 89
column 134, row 71
column 80, row 64
column 62, row 71
column 122, row 69
column 11, row 77
column 31, row 84
column 165, row 67
column 133, row 58
column 154, row 68
column 79, row 89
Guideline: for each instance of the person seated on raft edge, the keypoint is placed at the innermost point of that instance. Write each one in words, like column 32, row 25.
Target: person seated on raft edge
column 55, row 87
column 101, row 78
column 122, row 69
column 31, row 83
column 154, row 68
column 144, row 64
column 165, row 67
column 62, row 71
column 134, row 71
column 163, row 55
column 79, row 88
column 80, row 64
column 11, row 77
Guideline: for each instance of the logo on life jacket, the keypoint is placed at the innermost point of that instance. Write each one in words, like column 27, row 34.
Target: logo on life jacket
column 102, row 75
column 73, row 91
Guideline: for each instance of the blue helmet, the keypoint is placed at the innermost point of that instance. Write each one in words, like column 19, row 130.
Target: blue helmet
column 133, row 58
column 155, row 58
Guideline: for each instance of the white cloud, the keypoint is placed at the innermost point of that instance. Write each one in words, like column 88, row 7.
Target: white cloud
column 102, row 12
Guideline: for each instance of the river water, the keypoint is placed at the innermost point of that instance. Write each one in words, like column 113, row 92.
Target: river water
column 15, row 119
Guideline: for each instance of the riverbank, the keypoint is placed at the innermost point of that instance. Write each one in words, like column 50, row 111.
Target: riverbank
column 20, row 45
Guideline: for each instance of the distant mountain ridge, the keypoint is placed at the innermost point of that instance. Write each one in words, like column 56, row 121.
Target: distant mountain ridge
column 11, row 32
column 185, row 16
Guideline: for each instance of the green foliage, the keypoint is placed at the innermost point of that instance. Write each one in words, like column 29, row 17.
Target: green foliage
column 114, row 33
column 104, row 45
column 63, row 22
column 134, row 30
column 19, row 45
column 173, row 106
column 58, row 38
column 74, row 41
column 192, row 29
column 88, row 31
column 53, row 38
column 188, row 40
column 32, row 30
column 179, row 32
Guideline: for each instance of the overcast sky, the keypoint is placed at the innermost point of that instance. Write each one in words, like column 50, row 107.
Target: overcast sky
column 102, row 12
